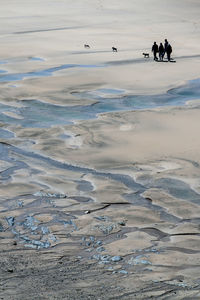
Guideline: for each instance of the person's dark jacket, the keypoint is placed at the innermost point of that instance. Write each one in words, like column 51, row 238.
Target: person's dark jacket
column 161, row 49
column 166, row 45
column 169, row 48
column 155, row 48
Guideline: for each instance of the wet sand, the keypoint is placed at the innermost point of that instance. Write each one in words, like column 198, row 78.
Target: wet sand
column 99, row 165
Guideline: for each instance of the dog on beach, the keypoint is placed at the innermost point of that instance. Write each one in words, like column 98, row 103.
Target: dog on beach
column 86, row 46
column 146, row 55
column 114, row 49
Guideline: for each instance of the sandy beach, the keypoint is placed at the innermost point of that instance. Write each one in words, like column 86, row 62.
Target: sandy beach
column 99, row 150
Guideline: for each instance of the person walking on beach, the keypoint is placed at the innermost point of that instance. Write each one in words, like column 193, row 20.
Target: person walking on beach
column 166, row 44
column 169, row 51
column 161, row 51
column 155, row 50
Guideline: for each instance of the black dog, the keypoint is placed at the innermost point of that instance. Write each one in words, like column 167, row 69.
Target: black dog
column 86, row 46
column 114, row 49
column 146, row 55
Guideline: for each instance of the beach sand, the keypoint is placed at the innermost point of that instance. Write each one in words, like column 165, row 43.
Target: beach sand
column 104, row 206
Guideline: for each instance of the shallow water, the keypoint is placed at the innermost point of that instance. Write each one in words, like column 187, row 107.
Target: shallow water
column 36, row 59
column 41, row 73
column 38, row 114
column 6, row 134
column 35, row 113
column 178, row 189
column 3, row 71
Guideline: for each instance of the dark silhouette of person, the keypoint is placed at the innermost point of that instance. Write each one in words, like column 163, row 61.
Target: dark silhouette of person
column 155, row 50
column 165, row 45
column 169, row 51
column 161, row 51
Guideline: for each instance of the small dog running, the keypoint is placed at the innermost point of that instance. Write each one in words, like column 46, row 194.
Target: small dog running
column 146, row 55
column 114, row 49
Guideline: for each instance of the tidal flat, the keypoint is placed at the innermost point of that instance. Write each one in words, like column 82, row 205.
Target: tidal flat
column 99, row 151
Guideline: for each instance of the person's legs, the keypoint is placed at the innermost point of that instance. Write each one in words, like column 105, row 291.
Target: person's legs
column 155, row 57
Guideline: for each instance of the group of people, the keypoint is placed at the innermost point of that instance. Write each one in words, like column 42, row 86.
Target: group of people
column 161, row 50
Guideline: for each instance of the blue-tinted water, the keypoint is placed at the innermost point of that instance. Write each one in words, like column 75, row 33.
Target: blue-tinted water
column 65, row 136
column 190, row 90
column 6, row 134
column 35, row 113
column 42, row 73
column 110, row 92
column 178, row 188
column 3, row 71
column 36, row 59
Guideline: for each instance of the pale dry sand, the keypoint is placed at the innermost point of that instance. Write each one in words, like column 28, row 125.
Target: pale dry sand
column 73, row 197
